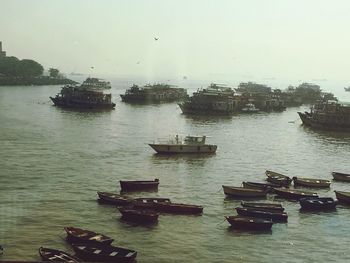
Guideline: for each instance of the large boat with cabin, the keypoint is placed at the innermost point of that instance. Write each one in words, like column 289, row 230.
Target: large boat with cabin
column 190, row 144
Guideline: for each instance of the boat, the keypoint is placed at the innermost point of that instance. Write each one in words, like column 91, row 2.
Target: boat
column 273, row 207
column 83, row 97
column 113, row 198
column 308, row 182
column 293, row 194
column 318, row 203
column 277, row 178
column 96, row 84
column 155, row 93
column 249, row 223
column 178, row 208
column 343, row 197
column 341, row 176
column 243, row 192
column 252, row 212
column 98, row 253
column 145, row 216
column 78, row 235
column 347, row 88
column 139, row 185
column 48, row 254
column 263, row 186
column 190, row 144
column 217, row 99
column 327, row 115
column 149, row 202
column 249, row 108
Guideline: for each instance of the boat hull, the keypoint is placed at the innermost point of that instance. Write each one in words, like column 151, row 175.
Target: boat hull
column 139, row 216
column 277, row 178
column 178, row 149
column 243, row 192
column 174, row 208
column 127, row 186
column 81, row 105
column 317, row 204
column 330, row 124
column 341, row 177
column 251, row 212
column 293, row 194
column 248, row 223
column 311, row 182
column 343, row 197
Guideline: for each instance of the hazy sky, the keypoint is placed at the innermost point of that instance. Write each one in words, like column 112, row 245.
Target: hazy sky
column 281, row 39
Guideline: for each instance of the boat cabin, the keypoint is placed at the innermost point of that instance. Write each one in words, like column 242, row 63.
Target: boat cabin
column 194, row 139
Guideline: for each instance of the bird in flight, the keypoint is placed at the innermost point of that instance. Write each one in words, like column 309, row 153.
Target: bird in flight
column 156, row 38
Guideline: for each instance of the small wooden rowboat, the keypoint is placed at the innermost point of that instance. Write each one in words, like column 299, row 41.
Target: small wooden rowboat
column 149, row 202
column 143, row 216
column 273, row 207
column 98, row 253
column 139, row 185
column 293, row 194
column 318, row 203
column 177, row 208
column 243, row 192
column 341, row 177
column 308, row 182
column 113, row 198
column 251, row 212
column 78, row 235
column 249, row 223
column 277, row 178
column 343, row 197
column 48, row 254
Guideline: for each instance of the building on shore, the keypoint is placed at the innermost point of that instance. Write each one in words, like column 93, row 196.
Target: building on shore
column 2, row 53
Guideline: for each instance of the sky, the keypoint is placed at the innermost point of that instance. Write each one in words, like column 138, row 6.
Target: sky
column 248, row 39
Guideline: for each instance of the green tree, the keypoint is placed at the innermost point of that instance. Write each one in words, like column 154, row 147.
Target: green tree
column 54, row 73
column 30, row 68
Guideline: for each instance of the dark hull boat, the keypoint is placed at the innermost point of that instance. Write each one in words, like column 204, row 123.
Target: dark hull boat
column 277, row 178
column 318, row 203
column 308, row 182
column 341, row 177
column 249, row 223
column 262, row 186
column 78, row 235
column 48, row 254
column 142, row 216
column 97, row 253
column 343, row 197
column 149, row 202
column 293, row 194
column 251, row 212
column 270, row 207
column 139, row 185
column 80, row 104
column 242, row 192
column 176, row 208
column 113, row 198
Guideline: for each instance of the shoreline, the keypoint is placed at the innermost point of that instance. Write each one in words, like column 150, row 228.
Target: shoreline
column 30, row 81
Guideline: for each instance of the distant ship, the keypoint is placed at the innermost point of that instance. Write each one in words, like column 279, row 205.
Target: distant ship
column 154, row 93
column 89, row 95
column 347, row 89
column 191, row 144
column 328, row 115
column 216, row 99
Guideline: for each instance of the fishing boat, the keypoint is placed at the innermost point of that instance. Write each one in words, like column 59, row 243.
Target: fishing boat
column 252, row 212
column 274, row 207
column 78, row 235
column 139, row 185
column 343, row 197
column 249, row 223
column 113, row 198
column 293, row 194
column 308, row 182
column 341, row 176
column 145, row 216
column 98, row 253
column 178, row 208
column 149, row 202
column 277, row 178
column 262, row 186
column 318, row 203
column 249, row 108
column 48, row 254
column 243, row 192
column 190, row 144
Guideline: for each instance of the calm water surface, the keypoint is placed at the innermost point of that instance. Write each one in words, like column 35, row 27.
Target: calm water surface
column 52, row 162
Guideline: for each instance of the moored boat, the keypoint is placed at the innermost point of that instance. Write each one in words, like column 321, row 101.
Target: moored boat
column 139, row 185
column 249, row 223
column 113, row 198
column 318, row 203
column 142, row 216
column 277, row 178
column 343, row 197
column 178, row 208
column 308, row 182
column 78, row 235
column 341, row 176
column 293, row 194
column 149, row 202
column 191, row 144
column 250, row 108
column 263, row 186
column 252, row 212
column 48, row 254
column 243, row 192
column 275, row 207
column 98, row 253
